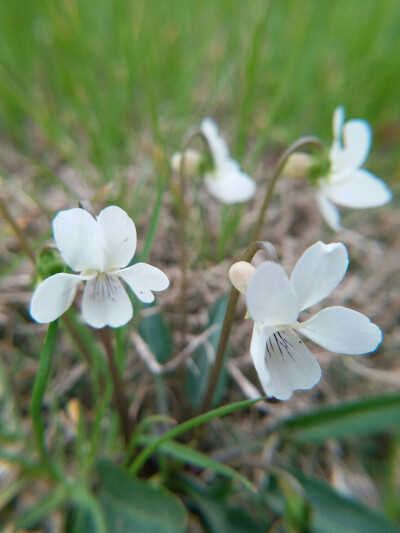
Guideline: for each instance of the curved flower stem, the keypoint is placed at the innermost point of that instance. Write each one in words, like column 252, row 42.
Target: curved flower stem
column 120, row 399
column 303, row 142
column 39, row 388
column 248, row 255
column 190, row 135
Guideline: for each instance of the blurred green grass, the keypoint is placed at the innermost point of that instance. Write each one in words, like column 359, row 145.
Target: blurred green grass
column 100, row 79
column 110, row 83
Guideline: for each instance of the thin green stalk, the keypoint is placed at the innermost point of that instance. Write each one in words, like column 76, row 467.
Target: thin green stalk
column 134, row 442
column 151, row 232
column 75, row 334
column 186, row 426
column 96, row 433
column 228, row 321
column 295, row 147
column 39, row 388
column 183, row 209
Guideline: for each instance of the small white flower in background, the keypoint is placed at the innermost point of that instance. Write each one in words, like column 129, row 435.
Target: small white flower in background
column 226, row 182
column 193, row 161
column 98, row 249
column 347, row 184
column 274, row 301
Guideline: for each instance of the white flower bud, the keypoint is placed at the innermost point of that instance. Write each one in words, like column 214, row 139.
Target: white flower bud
column 298, row 165
column 240, row 274
column 192, row 162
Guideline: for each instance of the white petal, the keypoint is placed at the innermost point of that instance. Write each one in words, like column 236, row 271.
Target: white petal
column 105, row 302
column 357, row 139
column 216, row 143
column 330, row 212
column 119, row 234
column 229, row 185
column 342, row 330
column 318, row 271
column 78, row 239
column 270, row 296
column 289, row 364
column 53, row 297
column 143, row 279
column 360, row 190
column 338, row 121
column 257, row 351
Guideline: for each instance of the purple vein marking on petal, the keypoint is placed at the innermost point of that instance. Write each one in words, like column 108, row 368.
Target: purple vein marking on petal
column 269, row 353
column 104, row 287
column 282, row 341
column 270, row 343
column 277, row 343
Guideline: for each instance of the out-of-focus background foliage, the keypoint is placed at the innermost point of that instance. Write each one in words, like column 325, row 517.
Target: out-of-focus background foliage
column 95, row 97
column 95, row 79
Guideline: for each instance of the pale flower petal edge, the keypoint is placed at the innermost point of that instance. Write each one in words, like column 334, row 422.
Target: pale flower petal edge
column 119, row 237
column 318, row 272
column 329, row 211
column 143, row 279
column 53, row 297
column 216, row 144
column 360, row 191
column 290, row 364
column 342, row 330
column 257, row 351
column 280, row 305
column 78, row 240
column 230, row 188
column 105, row 302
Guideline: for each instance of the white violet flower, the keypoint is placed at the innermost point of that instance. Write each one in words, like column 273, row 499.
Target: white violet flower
column 98, row 249
column 347, row 184
column 226, row 182
column 274, row 302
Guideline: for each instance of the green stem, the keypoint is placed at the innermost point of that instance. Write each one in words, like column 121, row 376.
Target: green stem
column 183, row 209
column 186, row 426
column 134, row 442
column 39, row 388
column 295, row 147
column 228, row 321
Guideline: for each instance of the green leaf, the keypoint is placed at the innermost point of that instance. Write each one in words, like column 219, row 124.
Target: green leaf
column 334, row 513
column 364, row 417
column 132, row 505
column 156, row 333
column 198, row 375
column 79, row 520
column 213, row 506
column 186, row 426
column 151, row 233
column 86, row 516
column 191, row 456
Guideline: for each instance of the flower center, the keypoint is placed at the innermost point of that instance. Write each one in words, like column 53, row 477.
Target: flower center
column 104, row 286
